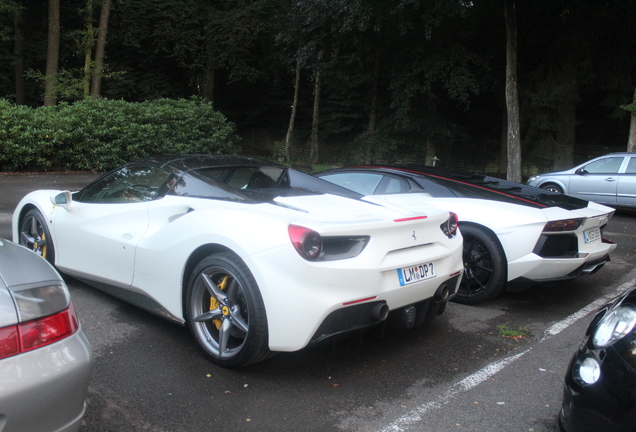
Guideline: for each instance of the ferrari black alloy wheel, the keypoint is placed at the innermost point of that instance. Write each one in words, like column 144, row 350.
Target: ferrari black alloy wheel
column 484, row 266
column 35, row 235
column 225, row 311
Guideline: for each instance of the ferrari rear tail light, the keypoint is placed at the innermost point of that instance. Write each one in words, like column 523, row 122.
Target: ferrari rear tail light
column 563, row 225
column 313, row 247
column 449, row 228
column 307, row 242
column 38, row 333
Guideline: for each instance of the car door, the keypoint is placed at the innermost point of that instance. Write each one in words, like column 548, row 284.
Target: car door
column 96, row 237
column 597, row 181
column 626, row 189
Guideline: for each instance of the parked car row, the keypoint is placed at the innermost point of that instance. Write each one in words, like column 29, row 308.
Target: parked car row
column 257, row 258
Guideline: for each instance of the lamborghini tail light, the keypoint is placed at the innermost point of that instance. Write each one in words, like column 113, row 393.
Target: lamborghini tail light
column 563, row 225
column 449, row 228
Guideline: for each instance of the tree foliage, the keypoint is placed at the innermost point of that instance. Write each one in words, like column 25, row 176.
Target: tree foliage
column 400, row 80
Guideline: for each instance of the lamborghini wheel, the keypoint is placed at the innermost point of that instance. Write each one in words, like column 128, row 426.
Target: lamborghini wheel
column 485, row 266
column 225, row 311
column 35, row 235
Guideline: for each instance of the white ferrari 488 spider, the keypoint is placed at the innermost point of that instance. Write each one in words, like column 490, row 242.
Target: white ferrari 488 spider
column 514, row 235
column 254, row 257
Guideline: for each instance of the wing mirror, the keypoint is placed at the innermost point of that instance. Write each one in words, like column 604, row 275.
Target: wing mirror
column 63, row 199
column 580, row 171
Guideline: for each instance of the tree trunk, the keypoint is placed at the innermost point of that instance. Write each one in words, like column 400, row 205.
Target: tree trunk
column 565, row 136
column 631, row 141
column 210, row 59
column 88, row 48
column 373, row 112
column 315, row 154
column 18, row 49
column 292, row 118
column 52, row 54
column 512, row 97
column 503, row 147
column 430, row 158
column 100, row 48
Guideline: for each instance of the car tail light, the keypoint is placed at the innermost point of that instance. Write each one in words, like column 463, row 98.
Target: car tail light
column 45, row 315
column 313, row 247
column 38, row 333
column 449, row 228
column 307, row 242
column 563, row 225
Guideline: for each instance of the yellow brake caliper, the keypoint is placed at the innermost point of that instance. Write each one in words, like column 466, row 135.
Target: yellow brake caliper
column 44, row 248
column 214, row 303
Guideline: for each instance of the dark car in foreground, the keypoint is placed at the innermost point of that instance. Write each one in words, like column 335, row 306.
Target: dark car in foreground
column 45, row 358
column 600, row 383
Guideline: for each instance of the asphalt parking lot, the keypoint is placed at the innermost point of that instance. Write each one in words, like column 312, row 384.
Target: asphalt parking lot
column 460, row 373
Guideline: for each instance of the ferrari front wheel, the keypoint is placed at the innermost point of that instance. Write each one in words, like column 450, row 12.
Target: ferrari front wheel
column 485, row 266
column 225, row 311
column 35, row 235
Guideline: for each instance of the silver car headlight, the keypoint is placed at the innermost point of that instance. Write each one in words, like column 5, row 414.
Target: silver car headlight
column 614, row 326
column 533, row 178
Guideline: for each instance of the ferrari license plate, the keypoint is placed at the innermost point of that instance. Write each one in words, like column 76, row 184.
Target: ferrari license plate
column 591, row 235
column 420, row 272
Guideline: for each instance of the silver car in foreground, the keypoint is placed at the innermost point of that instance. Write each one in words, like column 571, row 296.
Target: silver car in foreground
column 45, row 358
column 609, row 180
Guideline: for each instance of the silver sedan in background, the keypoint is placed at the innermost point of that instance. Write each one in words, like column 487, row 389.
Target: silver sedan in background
column 609, row 180
column 45, row 358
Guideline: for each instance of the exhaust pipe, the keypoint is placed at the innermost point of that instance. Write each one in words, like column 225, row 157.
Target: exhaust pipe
column 379, row 312
column 442, row 294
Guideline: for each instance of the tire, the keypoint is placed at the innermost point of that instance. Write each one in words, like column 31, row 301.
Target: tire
column 35, row 235
column 552, row 188
column 225, row 311
column 485, row 266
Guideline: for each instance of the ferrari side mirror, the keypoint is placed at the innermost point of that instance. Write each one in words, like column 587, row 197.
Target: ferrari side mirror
column 63, row 199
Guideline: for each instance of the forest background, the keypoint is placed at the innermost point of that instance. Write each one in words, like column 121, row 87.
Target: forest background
column 349, row 81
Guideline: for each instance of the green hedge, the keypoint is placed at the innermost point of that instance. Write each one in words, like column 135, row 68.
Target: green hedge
column 98, row 135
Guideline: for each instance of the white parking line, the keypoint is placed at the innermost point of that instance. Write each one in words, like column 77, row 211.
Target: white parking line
column 487, row 372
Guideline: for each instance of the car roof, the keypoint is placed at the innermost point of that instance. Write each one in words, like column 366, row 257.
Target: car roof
column 179, row 164
column 491, row 187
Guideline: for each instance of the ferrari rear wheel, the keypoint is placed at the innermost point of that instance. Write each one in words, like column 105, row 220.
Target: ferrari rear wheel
column 226, row 313
column 485, row 266
column 35, row 235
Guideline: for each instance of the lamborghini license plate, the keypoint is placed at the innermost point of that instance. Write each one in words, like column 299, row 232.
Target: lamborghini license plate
column 591, row 235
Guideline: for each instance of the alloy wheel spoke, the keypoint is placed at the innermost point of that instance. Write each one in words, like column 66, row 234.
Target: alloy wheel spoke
column 237, row 319
column 213, row 289
column 210, row 315
column 224, row 336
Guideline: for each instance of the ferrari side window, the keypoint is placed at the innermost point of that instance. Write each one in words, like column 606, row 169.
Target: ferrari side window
column 133, row 183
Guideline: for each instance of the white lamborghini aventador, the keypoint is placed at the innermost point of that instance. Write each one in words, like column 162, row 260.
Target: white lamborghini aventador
column 254, row 257
column 515, row 235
